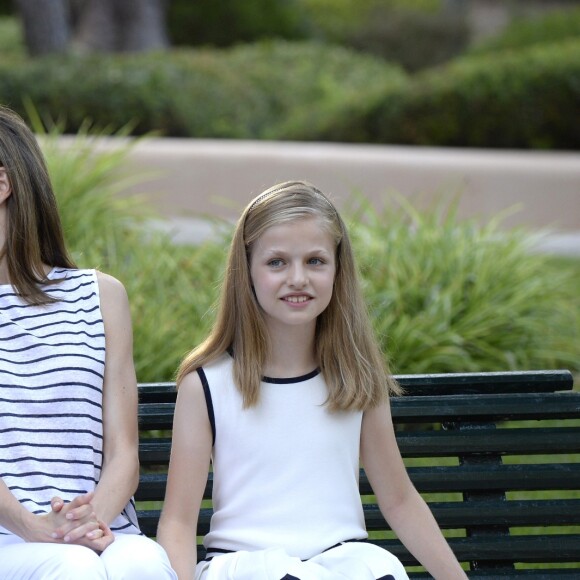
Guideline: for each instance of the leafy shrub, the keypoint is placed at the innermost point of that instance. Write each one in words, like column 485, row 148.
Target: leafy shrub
column 444, row 295
column 302, row 88
column 245, row 92
column 525, row 99
column 151, row 92
column 554, row 26
column 448, row 295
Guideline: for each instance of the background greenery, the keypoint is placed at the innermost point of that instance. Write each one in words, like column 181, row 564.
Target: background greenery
column 379, row 71
column 452, row 295
column 444, row 295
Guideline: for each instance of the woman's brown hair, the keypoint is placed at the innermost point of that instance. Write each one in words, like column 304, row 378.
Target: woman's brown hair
column 34, row 237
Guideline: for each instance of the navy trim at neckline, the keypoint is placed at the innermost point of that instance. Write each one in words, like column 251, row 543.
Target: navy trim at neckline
column 290, row 380
column 285, row 380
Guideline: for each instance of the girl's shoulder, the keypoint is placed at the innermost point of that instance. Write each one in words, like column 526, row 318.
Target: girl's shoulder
column 219, row 365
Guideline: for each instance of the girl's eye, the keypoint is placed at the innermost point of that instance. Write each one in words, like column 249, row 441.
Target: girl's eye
column 315, row 261
column 275, row 263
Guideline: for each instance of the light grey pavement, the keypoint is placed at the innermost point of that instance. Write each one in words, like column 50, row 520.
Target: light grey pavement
column 218, row 177
column 567, row 244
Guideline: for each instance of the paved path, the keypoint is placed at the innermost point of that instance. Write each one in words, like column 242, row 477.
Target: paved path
column 218, row 177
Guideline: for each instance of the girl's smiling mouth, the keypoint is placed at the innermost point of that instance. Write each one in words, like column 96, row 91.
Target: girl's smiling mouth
column 297, row 298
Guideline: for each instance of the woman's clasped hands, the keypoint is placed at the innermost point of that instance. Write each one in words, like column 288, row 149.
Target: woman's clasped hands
column 74, row 522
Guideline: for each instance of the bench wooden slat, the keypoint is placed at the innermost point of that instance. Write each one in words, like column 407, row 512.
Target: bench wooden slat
column 559, row 573
column 524, row 548
column 458, row 515
column 486, row 407
column 472, row 514
column 522, row 441
column 441, row 443
column 495, row 382
column 525, row 477
column 444, row 383
column 522, row 477
column 156, row 416
column 425, row 409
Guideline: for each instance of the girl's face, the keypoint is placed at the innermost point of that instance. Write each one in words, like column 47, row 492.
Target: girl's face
column 292, row 266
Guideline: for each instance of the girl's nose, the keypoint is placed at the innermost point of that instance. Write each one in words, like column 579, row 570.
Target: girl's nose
column 297, row 276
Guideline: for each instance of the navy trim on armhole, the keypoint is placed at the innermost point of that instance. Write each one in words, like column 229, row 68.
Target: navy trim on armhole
column 208, row 402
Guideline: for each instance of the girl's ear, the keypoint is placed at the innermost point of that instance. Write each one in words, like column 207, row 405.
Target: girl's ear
column 5, row 187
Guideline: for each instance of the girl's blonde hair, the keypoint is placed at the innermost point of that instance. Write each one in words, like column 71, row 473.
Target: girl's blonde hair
column 347, row 352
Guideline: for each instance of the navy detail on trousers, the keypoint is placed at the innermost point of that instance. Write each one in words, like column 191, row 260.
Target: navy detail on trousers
column 290, row 577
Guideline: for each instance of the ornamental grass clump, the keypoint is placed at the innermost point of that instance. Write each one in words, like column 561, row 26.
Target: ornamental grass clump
column 447, row 295
column 171, row 288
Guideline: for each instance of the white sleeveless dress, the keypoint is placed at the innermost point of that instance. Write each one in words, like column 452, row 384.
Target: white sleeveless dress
column 285, row 492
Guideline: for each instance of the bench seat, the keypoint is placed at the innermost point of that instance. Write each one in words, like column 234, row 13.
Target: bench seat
column 496, row 455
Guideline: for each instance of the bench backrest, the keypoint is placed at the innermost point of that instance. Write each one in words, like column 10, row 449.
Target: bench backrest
column 496, row 455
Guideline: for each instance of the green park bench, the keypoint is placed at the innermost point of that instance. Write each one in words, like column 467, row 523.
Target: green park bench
column 496, row 455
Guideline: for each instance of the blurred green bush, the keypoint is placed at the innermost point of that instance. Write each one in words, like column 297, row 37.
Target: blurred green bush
column 414, row 39
column 243, row 92
column 171, row 288
column 520, row 90
column 528, row 98
column 525, row 99
column 444, row 295
column 307, row 91
column 11, row 41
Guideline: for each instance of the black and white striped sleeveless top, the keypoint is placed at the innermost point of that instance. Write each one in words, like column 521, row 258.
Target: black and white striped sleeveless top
column 52, row 361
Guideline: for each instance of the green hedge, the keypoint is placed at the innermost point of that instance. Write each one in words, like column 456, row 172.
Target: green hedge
column 525, row 99
column 284, row 90
column 244, row 92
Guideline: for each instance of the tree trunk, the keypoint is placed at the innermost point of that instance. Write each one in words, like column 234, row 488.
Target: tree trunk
column 46, row 25
column 96, row 27
column 122, row 25
column 141, row 25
